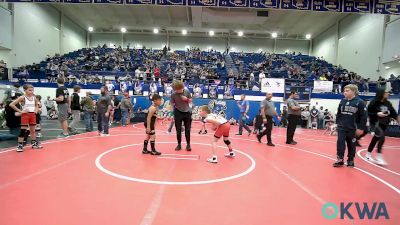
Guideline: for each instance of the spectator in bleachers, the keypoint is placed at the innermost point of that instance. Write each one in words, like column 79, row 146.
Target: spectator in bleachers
column 49, row 104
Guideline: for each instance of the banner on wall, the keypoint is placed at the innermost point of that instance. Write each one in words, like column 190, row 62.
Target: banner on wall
column 274, row 85
column 322, row 86
column 354, row 6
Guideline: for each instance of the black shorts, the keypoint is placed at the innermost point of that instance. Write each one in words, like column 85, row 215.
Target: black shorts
column 152, row 128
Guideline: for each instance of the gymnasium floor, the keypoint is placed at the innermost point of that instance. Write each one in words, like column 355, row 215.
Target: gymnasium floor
column 87, row 179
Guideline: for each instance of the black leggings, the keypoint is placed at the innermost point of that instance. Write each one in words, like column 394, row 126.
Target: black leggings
column 186, row 118
column 378, row 137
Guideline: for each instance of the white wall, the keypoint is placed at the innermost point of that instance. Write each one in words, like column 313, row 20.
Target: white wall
column 5, row 28
column 283, row 46
column 391, row 47
column 36, row 33
column 73, row 37
column 355, row 43
column 393, row 70
column 252, row 44
column 216, row 43
column 360, row 44
column 106, row 38
column 150, row 41
column 325, row 45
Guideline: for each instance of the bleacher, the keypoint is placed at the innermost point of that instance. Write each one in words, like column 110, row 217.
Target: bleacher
column 98, row 62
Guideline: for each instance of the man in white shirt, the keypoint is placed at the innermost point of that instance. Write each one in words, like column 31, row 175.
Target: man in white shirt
column 261, row 76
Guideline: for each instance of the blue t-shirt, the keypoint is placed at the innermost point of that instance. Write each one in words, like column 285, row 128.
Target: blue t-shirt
column 243, row 106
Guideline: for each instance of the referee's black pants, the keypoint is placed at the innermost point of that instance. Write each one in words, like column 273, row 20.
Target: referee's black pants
column 268, row 129
column 293, row 120
column 186, row 119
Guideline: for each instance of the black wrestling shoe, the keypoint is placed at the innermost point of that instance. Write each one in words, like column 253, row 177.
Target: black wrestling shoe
column 155, row 152
column 145, row 151
column 350, row 164
column 188, row 148
column 178, row 148
column 338, row 163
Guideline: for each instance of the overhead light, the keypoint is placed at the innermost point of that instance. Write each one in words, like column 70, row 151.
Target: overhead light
column 260, row 50
column 233, row 49
column 123, row 29
column 387, row 67
column 155, row 30
column 211, row 33
column 209, row 47
column 187, row 47
column 240, row 33
column 90, row 29
column 184, row 32
column 274, row 35
column 308, row 36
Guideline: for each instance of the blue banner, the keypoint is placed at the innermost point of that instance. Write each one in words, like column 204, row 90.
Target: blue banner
column 109, row 1
column 264, row 4
column 296, row 4
column 18, row 0
column 48, row 1
column 78, row 1
column 203, row 2
column 234, row 3
column 140, row 2
column 327, row 5
column 357, row 6
column 171, row 2
column 387, row 7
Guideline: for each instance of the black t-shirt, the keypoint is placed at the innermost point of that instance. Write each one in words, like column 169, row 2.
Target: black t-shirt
column 75, row 103
column 12, row 120
column 116, row 102
column 62, row 91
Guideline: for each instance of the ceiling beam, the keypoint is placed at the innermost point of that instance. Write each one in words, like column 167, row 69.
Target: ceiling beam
column 151, row 14
column 196, row 17
column 169, row 15
column 188, row 15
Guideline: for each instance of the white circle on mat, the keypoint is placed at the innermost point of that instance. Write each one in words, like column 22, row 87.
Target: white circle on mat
column 120, row 176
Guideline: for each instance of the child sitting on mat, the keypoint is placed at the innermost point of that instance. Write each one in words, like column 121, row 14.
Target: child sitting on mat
column 221, row 127
column 149, row 124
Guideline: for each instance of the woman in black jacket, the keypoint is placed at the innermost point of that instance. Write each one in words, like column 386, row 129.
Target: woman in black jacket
column 380, row 111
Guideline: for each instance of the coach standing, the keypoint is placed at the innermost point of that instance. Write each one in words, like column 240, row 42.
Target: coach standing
column 294, row 114
column 267, row 112
column 180, row 99
column 244, row 106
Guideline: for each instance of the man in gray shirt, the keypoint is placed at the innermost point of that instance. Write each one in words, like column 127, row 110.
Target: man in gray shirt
column 294, row 114
column 180, row 99
column 104, row 106
column 267, row 112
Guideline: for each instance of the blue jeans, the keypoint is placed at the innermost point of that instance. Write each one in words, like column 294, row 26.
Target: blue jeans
column 125, row 114
column 88, row 116
column 102, row 121
column 242, row 123
column 320, row 123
